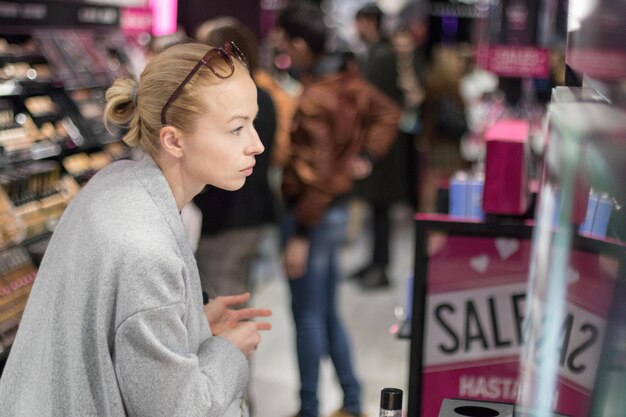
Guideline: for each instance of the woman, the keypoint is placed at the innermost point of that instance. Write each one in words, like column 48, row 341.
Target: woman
column 444, row 124
column 115, row 324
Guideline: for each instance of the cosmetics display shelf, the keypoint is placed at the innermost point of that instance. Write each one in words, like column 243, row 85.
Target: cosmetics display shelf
column 18, row 267
column 17, row 273
column 33, row 196
column 52, row 141
column 39, row 116
column 39, row 124
column 56, row 61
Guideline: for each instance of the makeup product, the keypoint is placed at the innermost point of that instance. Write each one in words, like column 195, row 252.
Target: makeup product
column 506, row 168
column 390, row 402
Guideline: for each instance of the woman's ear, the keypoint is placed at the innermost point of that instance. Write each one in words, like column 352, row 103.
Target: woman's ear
column 170, row 139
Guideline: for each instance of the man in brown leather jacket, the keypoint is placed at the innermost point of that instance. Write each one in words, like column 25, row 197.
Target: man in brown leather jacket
column 342, row 125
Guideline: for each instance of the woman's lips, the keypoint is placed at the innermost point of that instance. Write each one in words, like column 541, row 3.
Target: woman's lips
column 248, row 171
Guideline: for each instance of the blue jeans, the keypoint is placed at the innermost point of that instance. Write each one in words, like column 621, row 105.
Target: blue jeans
column 319, row 331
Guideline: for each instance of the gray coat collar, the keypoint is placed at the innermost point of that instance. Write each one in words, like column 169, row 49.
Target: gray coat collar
column 152, row 179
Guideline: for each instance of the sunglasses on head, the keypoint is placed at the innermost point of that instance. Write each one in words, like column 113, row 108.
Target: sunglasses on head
column 210, row 59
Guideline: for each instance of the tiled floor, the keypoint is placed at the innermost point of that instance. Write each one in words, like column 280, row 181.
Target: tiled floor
column 381, row 358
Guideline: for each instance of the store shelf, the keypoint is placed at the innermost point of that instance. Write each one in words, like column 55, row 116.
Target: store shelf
column 53, row 81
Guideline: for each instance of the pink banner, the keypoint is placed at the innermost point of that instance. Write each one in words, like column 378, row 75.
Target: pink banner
column 475, row 310
column 133, row 20
column 514, row 61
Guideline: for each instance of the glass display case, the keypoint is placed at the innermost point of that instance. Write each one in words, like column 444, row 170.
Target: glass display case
column 573, row 360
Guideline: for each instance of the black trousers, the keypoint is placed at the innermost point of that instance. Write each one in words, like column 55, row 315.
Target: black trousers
column 381, row 229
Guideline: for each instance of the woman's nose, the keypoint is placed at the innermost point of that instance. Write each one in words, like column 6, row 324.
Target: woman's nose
column 256, row 147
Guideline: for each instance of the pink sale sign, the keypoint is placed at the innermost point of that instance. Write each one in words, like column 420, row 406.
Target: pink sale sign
column 476, row 305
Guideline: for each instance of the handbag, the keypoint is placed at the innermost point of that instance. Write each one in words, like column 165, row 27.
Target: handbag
column 451, row 120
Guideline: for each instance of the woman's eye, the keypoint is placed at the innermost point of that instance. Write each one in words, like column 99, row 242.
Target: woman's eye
column 237, row 131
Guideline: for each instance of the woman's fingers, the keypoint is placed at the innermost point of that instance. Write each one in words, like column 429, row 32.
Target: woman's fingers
column 231, row 300
column 250, row 313
column 263, row 325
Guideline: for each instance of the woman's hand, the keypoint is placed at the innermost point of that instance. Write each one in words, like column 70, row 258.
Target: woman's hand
column 245, row 336
column 235, row 325
column 296, row 257
column 223, row 318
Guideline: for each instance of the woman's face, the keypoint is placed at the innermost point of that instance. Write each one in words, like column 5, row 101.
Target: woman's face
column 222, row 148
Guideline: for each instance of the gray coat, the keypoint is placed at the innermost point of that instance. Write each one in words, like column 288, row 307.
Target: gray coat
column 114, row 325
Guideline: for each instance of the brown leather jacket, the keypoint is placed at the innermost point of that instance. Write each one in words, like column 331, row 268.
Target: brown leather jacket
column 339, row 116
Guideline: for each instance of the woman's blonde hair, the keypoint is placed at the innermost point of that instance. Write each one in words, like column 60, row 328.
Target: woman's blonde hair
column 137, row 105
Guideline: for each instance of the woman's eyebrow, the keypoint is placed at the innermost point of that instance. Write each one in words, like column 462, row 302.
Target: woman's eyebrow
column 243, row 116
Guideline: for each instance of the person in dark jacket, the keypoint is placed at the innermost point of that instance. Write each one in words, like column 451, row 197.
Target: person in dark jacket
column 444, row 124
column 342, row 125
column 396, row 67
column 233, row 223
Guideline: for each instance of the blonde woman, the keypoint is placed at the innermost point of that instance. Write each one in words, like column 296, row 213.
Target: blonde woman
column 115, row 324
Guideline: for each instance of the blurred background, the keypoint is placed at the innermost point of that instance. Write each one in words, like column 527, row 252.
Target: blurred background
column 484, row 257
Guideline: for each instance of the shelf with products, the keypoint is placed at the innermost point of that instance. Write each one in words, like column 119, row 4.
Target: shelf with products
column 56, row 106
column 87, row 63
column 35, row 193
column 33, row 197
column 18, row 269
column 52, row 141
column 17, row 274
column 39, row 124
column 55, row 67
column 21, row 61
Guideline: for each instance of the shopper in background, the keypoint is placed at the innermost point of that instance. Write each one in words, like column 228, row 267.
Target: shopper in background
column 398, row 72
column 233, row 223
column 342, row 125
column 115, row 324
column 444, row 125
column 379, row 64
column 160, row 43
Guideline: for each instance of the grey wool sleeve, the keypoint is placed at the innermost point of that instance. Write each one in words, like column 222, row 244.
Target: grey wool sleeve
column 158, row 376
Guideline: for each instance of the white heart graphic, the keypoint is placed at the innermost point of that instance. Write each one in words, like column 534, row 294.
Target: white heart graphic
column 480, row 263
column 506, row 247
